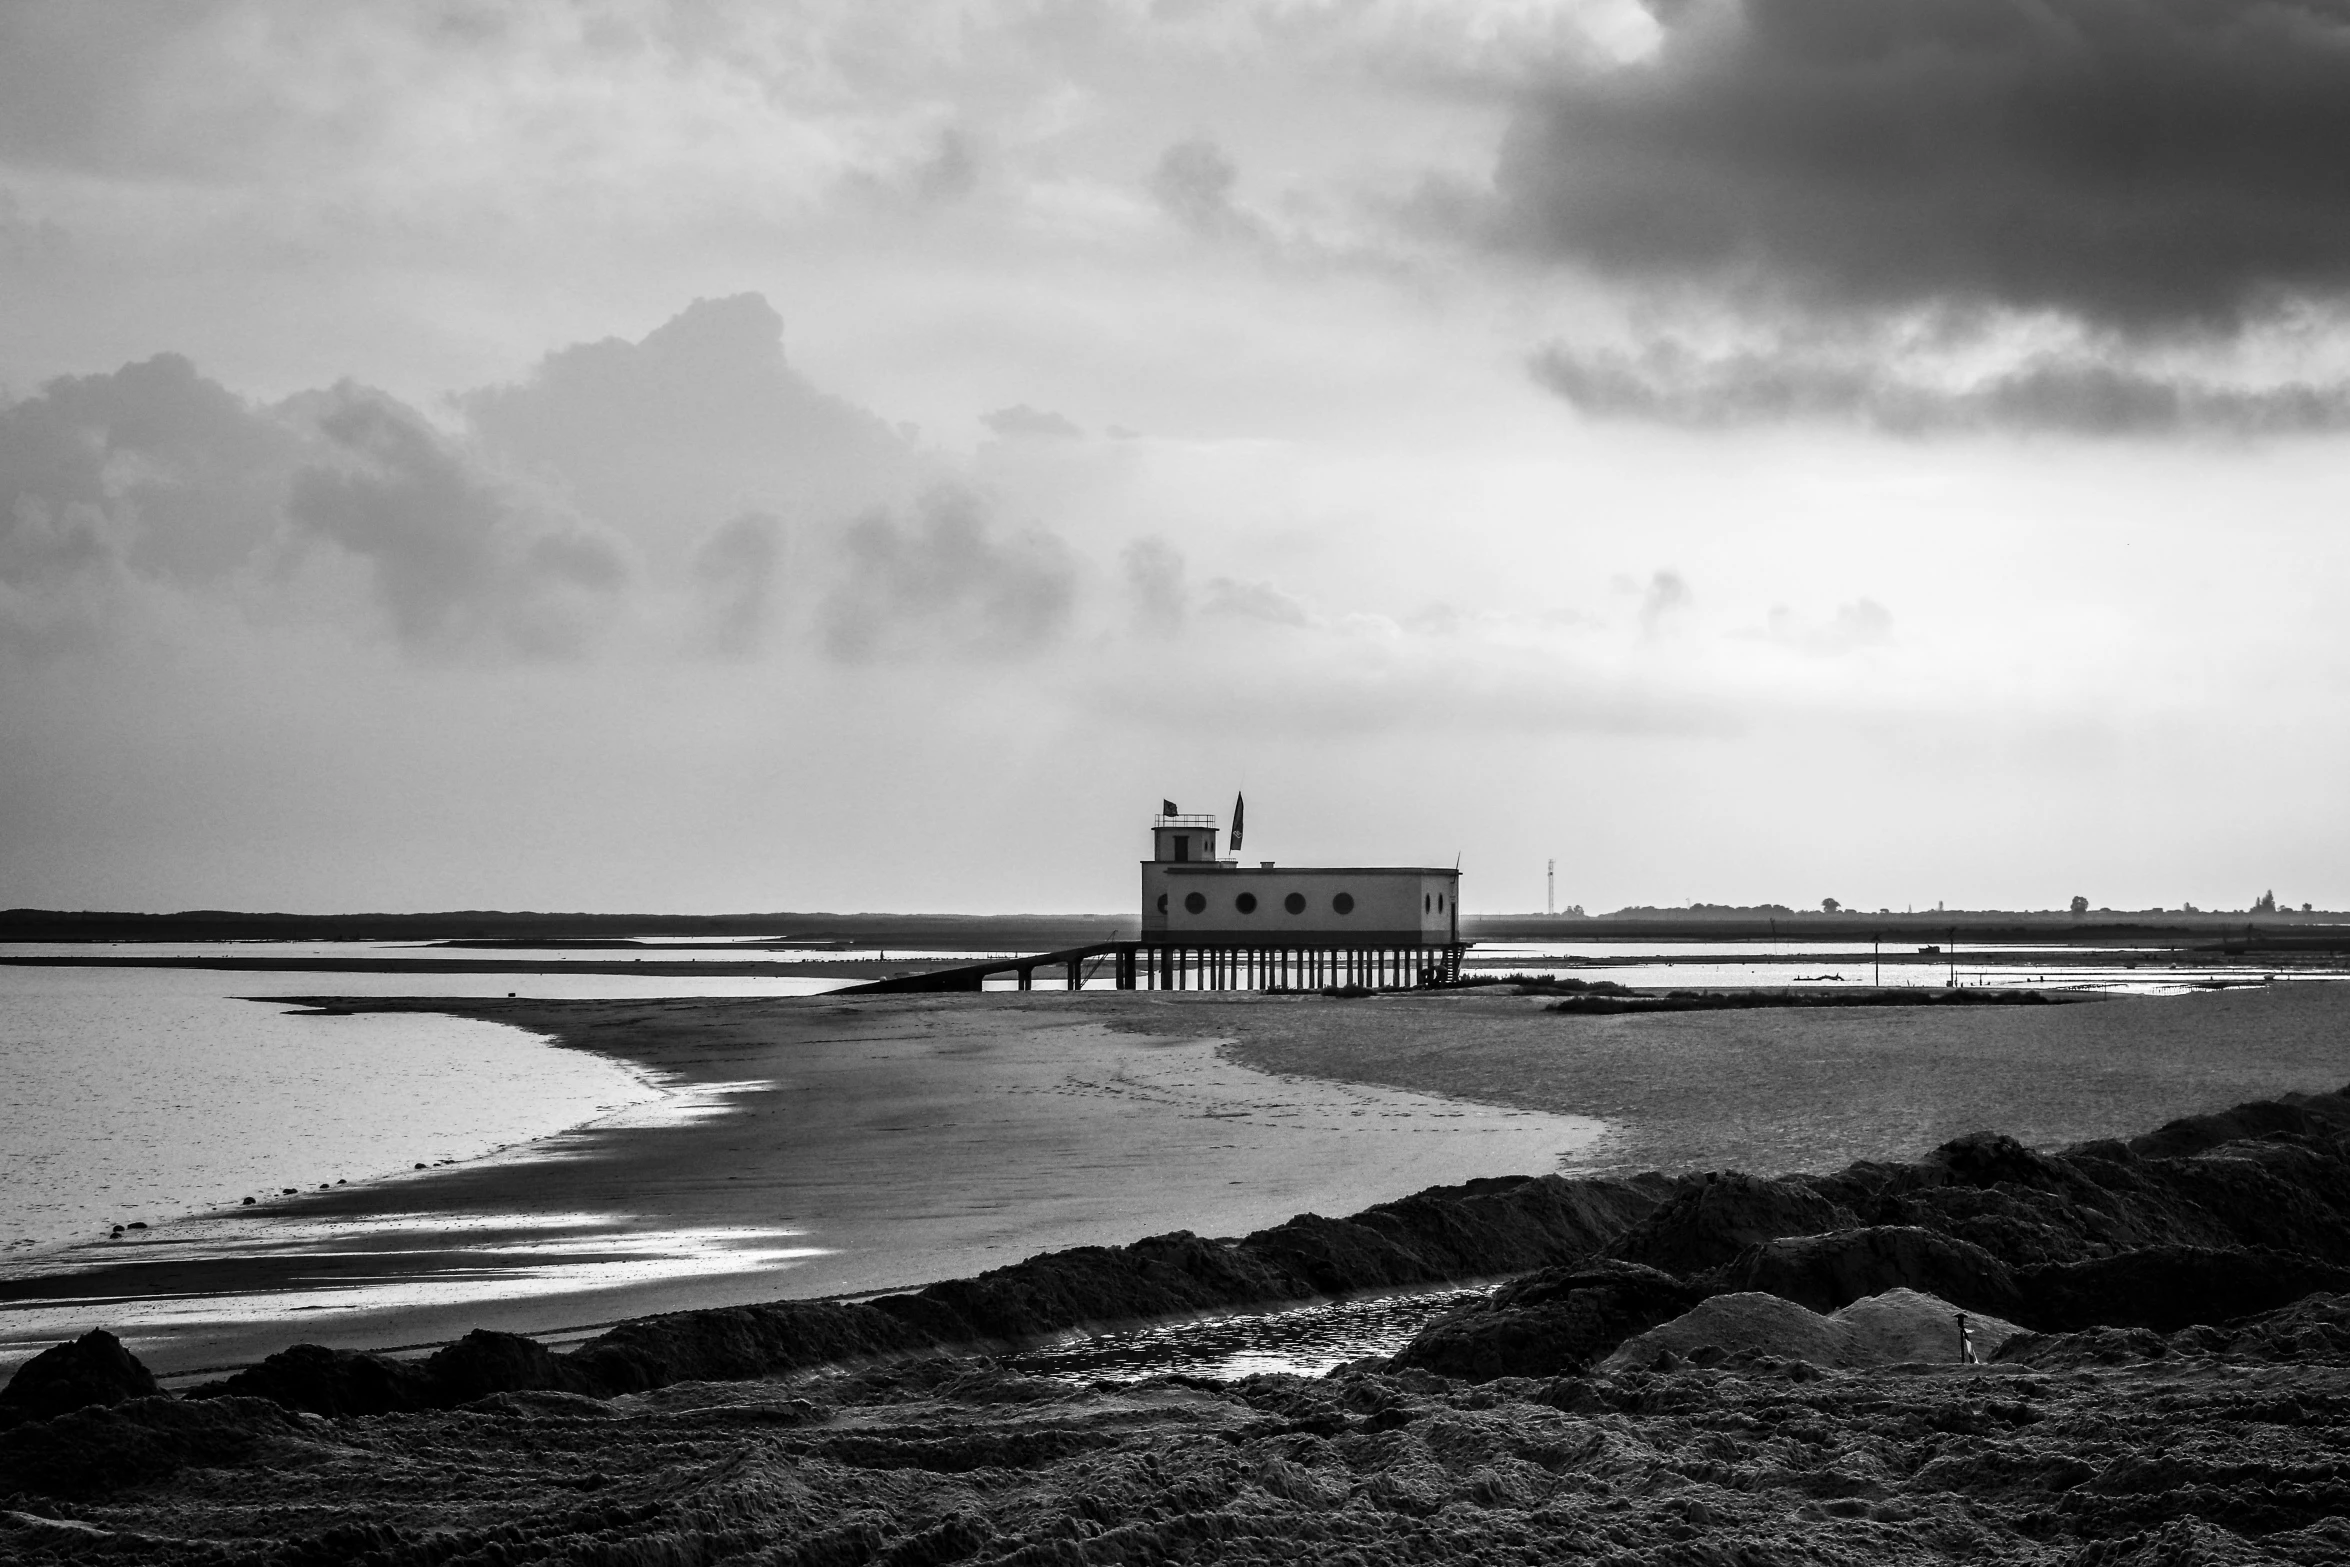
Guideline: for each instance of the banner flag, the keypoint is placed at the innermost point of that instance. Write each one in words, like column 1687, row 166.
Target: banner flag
column 1167, row 808
column 1237, row 802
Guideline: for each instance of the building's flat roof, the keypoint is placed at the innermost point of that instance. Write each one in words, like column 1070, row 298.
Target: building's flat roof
column 1263, row 940
column 1227, row 867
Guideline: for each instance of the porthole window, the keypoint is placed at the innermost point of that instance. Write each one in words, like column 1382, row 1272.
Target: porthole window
column 1162, row 903
column 1344, row 903
column 1425, row 901
column 1440, row 903
column 1246, row 903
column 1194, row 902
column 1295, row 903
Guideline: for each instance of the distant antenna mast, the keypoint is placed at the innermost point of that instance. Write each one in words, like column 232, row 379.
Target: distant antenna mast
column 1550, row 889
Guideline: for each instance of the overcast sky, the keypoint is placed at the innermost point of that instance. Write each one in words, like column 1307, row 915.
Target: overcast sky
column 864, row 455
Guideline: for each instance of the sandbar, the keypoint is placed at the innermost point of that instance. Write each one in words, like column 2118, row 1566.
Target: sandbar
column 1777, row 1091
column 825, row 1148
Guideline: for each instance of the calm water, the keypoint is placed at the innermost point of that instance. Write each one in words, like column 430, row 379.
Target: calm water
column 1769, row 965
column 142, row 1094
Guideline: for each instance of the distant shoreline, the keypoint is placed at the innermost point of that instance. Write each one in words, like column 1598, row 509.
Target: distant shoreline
column 845, row 968
column 2319, row 930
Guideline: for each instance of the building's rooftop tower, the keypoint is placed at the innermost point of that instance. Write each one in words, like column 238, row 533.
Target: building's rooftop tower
column 1183, row 839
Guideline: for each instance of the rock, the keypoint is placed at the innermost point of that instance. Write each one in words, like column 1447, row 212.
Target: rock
column 483, row 1363
column 2199, row 1183
column 1483, row 1228
column 98, row 1449
column 1895, row 1327
column 92, row 1369
column 2309, row 1115
column 1824, row 1272
column 2185, row 1542
column 1554, row 1322
column 2166, row 1288
column 1714, row 1218
column 2313, row 1331
column 740, row 1341
column 330, row 1382
column 1995, row 1159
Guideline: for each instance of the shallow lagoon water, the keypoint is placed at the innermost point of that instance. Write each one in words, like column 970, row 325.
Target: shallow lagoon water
column 137, row 1095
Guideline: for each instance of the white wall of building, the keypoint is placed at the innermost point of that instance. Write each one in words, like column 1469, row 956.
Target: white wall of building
column 1366, row 905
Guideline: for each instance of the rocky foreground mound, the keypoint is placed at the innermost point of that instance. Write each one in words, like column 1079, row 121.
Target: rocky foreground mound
column 1898, row 1327
column 2202, row 1221
column 1717, row 1370
column 2127, row 1449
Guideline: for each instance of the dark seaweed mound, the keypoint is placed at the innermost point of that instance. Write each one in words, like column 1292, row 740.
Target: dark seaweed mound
column 2202, row 1221
column 92, row 1369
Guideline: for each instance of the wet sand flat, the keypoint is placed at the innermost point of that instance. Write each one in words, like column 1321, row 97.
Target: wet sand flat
column 1774, row 1091
column 823, row 1148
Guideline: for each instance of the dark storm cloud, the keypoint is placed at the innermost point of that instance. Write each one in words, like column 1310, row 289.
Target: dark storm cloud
column 2078, row 396
column 944, row 583
column 2142, row 165
column 456, row 559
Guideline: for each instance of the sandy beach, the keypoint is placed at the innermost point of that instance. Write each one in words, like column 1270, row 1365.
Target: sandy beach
column 1813, row 1090
column 814, row 1147
column 809, row 1149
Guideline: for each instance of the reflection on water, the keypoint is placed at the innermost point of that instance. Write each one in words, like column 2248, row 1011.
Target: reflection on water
column 2143, row 979
column 487, row 959
column 1668, row 965
column 284, row 1267
column 135, row 1095
column 1300, row 1340
column 1767, row 951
